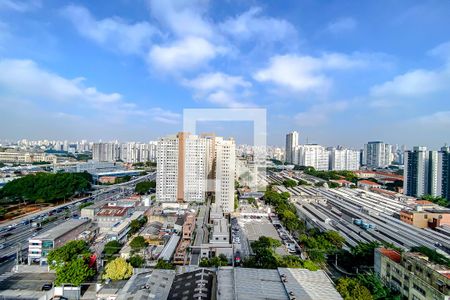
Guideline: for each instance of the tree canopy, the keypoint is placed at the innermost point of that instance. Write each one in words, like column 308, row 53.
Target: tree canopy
column 136, row 261
column 289, row 183
column 216, row 261
column 162, row 264
column 118, row 269
column 47, row 187
column 143, row 187
column 111, row 249
column 138, row 243
column 137, row 224
column 71, row 263
column 437, row 200
column 352, row 289
column 266, row 258
column 433, row 255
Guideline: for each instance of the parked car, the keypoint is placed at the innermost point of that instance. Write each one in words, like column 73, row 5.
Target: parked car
column 47, row 286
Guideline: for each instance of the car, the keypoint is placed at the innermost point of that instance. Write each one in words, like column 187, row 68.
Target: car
column 47, row 286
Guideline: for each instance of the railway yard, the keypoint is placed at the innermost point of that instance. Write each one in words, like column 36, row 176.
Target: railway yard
column 361, row 216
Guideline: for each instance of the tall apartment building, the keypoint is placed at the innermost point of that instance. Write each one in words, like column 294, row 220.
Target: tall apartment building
column 189, row 166
column 105, row 152
column 420, row 172
column 344, row 159
column 377, row 154
column 312, row 156
column 291, row 144
column 443, row 172
column 138, row 152
column 225, row 164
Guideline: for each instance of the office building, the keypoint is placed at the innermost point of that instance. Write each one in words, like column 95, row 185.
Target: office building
column 190, row 166
column 291, row 144
column 315, row 156
column 344, row 159
column 377, row 155
column 412, row 274
column 420, row 172
column 40, row 245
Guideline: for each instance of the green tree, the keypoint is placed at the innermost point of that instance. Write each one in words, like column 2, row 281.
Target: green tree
column 432, row 255
column 138, row 243
column 216, row 261
column 47, row 187
column 143, row 187
column 289, row 183
column 118, row 269
column 437, row 200
column 351, row 289
column 162, row 264
column 71, row 263
column 111, row 249
column 374, row 284
column 137, row 224
column 136, row 261
column 83, row 205
column 74, row 272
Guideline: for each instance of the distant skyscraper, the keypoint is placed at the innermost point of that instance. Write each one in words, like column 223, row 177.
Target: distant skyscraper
column 421, row 172
column 377, row 155
column 291, row 144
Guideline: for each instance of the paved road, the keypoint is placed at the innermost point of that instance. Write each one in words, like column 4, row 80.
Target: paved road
column 200, row 236
column 19, row 234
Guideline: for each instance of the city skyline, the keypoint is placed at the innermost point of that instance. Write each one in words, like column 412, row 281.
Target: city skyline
column 124, row 72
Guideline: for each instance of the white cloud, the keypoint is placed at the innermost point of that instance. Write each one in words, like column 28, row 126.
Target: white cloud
column 251, row 25
column 439, row 119
column 342, row 25
column 183, row 17
column 319, row 114
column 306, row 73
column 25, row 79
column 164, row 116
column 442, row 51
column 415, row 84
column 185, row 54
column 212, row 81
column 111, row 32
column 20, row 6
column 220, row 89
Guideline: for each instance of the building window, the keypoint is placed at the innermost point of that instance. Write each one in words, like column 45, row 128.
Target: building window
column 419, row 289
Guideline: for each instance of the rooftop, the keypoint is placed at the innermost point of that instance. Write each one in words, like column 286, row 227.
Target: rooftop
column 277, row 284
column 367, row 182
column 60, row 230
column 153, row 284
column 391, row 254
column 112, row 211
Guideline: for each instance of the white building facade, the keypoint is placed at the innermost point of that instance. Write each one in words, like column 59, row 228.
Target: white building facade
column 378, row 154
column 315, row 156
column 344, row 159
column 190, row 166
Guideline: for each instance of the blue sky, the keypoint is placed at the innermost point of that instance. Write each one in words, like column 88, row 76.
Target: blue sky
column 339, row 72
